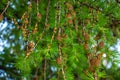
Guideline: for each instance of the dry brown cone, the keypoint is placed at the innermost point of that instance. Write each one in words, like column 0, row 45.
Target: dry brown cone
column 25, row 33
column 30, row 48
column 1, row 17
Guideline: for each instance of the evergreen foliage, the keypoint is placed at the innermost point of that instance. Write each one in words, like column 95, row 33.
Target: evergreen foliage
column 62, row 39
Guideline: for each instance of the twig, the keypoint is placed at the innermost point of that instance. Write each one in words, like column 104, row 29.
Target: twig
column 47, row 15
column 36, row 71
column 39, row 40
column 37, row 5
column 30, row 5
column 45, row 65
column 95, row 76
column 89, row 6
column 97, row 9
column 60, row 53
column 46, row 21
column 6, row 8
column 59, row 46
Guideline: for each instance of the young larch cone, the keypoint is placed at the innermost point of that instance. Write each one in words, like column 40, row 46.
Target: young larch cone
column 58, row 60
column 86, row 36
column 94, row 64
column 58, row 37
column 86, row 46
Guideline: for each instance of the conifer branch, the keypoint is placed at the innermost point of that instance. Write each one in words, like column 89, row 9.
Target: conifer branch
column 59, row 45
column 61, row 58
column 36, row 71
column 8, row 3
column 46, row 22
column 37, row 5
column 45, row 65
column 30, row 5
column 95, row 76
column 97, row 9
column 89, row 6
column 47, row 14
